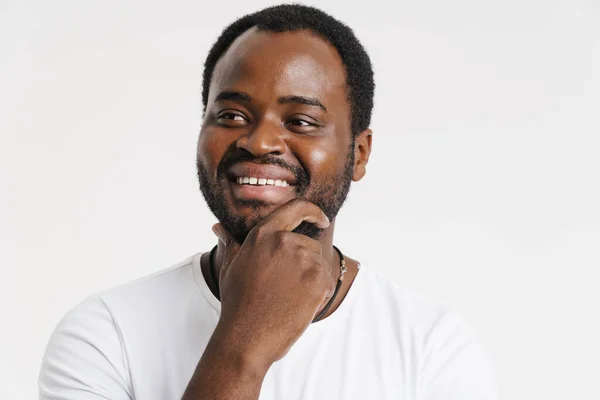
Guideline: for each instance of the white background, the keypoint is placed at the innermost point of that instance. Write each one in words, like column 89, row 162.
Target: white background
column 482, row 190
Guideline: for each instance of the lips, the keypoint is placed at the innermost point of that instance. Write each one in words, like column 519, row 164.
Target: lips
column 257, row 187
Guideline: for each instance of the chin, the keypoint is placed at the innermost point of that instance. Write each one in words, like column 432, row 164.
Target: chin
column 239, row 224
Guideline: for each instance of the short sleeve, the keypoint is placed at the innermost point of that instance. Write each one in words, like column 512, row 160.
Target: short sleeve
column 84, row 359
column 455, row 364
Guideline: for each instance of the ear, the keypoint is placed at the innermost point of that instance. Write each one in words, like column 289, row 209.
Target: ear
column 362, row 151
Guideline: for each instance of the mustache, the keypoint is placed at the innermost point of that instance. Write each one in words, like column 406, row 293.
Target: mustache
column 302, row 177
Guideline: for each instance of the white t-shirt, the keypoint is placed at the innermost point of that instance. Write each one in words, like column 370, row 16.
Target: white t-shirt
column 143, row 340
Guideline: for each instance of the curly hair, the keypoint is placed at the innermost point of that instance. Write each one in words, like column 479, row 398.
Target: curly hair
column 294, row 17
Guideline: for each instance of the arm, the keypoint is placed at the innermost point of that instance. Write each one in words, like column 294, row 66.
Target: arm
column 258, row 327
column 226, row 371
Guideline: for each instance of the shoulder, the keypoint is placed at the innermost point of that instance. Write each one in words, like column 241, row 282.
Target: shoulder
column 452, row 361
column 86, row 351
column 162, row 281
column 163, row 290
column 145, row 302
column 85, row 355
column 412, row 309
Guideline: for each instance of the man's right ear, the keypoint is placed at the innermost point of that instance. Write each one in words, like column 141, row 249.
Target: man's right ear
column 362, row 151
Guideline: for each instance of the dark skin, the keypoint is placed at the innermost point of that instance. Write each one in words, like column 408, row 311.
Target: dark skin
column 274, row 281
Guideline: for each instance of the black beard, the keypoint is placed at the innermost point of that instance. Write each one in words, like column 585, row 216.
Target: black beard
column 329, row 195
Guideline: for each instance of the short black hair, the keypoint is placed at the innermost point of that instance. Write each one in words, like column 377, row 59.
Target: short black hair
column 294, row 17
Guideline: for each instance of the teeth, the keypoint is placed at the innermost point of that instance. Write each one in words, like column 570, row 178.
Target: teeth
column 250, row 180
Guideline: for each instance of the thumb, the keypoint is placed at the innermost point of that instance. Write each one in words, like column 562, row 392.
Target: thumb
column 222, row 234
column 232, row 247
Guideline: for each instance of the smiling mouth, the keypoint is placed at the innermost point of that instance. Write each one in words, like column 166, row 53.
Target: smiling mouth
column 256, row 181
column 265, row 190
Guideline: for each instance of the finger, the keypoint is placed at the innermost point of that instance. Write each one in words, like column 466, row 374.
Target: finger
column 293, row 213
column 305, row 241
column 327, row 297
column 232, row 247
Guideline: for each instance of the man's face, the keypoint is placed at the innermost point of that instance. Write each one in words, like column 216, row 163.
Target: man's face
column 277, row 111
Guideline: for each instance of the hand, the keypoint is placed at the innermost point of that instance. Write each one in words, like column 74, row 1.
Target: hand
column 273, row 285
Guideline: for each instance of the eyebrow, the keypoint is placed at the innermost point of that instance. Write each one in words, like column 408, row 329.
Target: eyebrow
column 235, row 96
column 241, row 96
column 309, row 101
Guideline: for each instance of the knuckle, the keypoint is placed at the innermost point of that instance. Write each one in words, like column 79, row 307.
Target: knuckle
column 304, row 253
column 282, row 237
column 321, row 271
column 298, row 201
column 260, row 231
column 299, row 204
column 311, row 244
column 311, row 275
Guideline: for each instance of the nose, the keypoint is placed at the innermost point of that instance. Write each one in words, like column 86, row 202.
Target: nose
column 265, row 138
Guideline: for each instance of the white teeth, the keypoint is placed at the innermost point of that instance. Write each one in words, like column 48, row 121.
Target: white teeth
column 261, row 181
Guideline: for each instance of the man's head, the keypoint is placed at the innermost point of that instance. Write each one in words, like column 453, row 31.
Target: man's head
column 287, row 94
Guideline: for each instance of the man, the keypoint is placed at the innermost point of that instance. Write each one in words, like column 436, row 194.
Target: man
column 275, row 310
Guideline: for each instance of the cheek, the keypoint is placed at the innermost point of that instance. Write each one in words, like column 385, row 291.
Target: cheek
column 324, row 161
column 318, row 157
column 210, row 149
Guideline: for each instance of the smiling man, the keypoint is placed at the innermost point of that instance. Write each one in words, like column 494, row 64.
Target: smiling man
column 274, row 310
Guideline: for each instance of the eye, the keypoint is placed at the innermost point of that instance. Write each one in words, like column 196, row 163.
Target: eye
column 299, row 122
column 231, row 118
column 302, row 124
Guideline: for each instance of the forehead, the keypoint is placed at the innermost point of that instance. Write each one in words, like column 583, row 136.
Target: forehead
column 268, row 64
